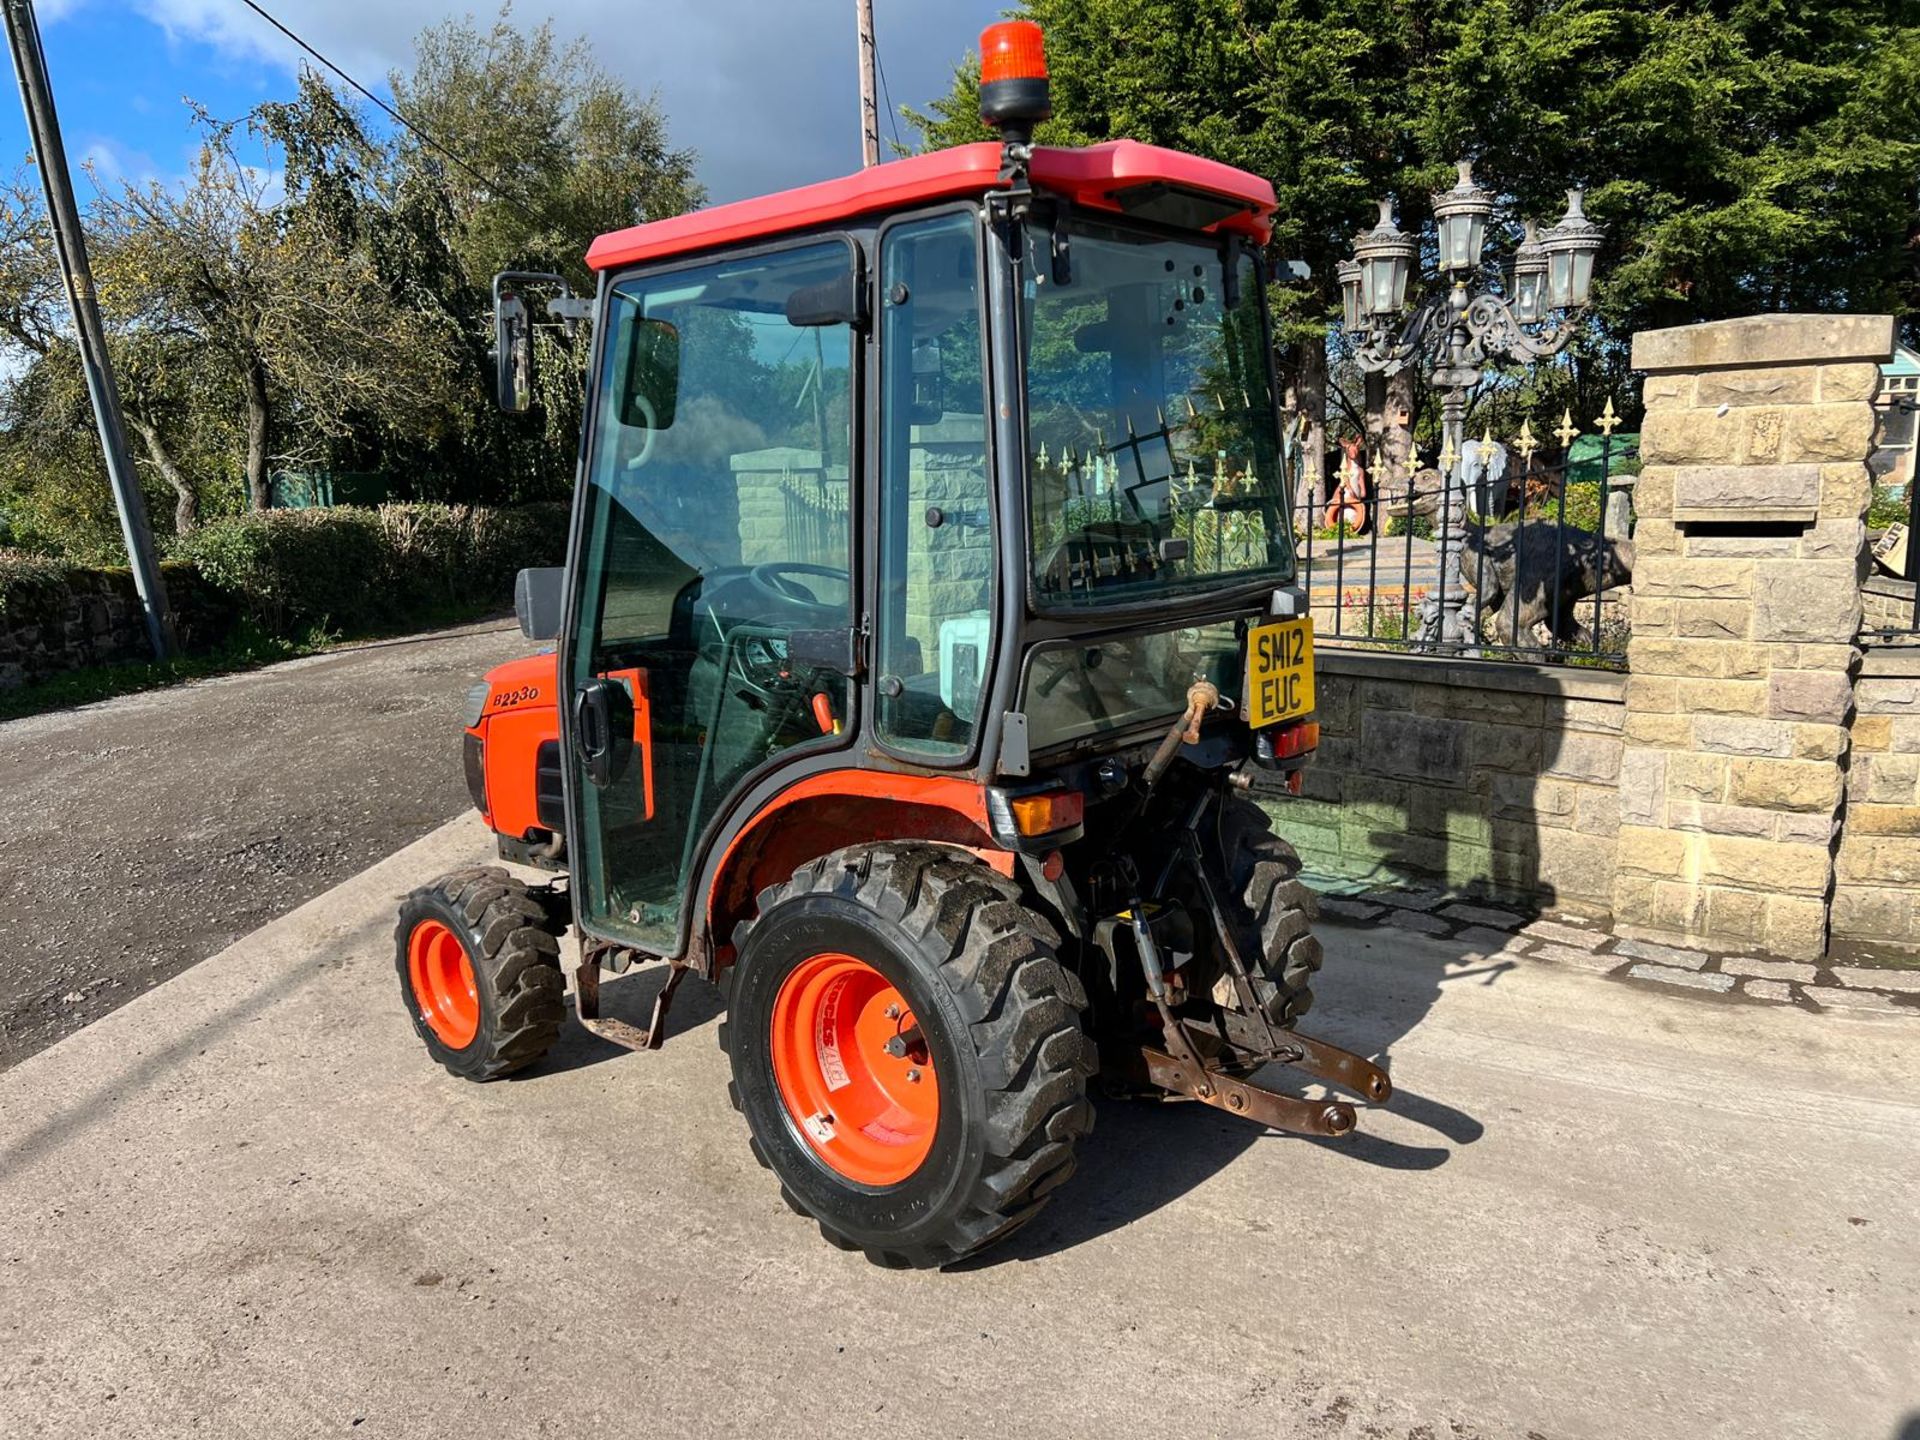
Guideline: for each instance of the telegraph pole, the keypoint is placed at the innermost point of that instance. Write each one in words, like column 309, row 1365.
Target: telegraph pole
column 50, row 155
column 869, row 106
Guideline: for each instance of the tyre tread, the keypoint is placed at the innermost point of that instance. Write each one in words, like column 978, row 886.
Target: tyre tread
column 998, row 959
column 514, row 949
column 1272, row 910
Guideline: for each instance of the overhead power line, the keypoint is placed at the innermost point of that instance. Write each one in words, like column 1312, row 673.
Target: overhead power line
column 893, row 115
column 429, row 141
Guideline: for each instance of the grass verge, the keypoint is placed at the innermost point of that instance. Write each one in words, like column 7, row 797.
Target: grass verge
column 247, row 648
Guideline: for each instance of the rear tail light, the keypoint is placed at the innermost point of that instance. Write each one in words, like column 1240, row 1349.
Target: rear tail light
column 1021, row 819
column 1296, row 740
column 1043, row 814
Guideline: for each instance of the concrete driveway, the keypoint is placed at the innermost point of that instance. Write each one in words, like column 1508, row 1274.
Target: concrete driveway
column 244, row 1204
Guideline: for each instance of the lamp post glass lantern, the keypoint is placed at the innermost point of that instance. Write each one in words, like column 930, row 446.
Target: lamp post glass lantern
column 1349, row 274
column 1456, row 330
column 1570, row 248
column 1461, row 214
column 1529, row 287
column 1385, row 254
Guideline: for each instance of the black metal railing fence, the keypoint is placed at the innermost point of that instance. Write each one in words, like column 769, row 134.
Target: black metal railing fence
column 1525, row 561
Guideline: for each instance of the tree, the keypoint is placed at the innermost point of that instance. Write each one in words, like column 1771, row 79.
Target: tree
column 532, row 152
column 552, row 150
column 1743, row 154
column 333, row 311
column 303, row 330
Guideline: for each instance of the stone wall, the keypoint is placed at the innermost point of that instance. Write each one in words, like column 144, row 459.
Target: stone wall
column 766, row 484
column 1753, row 785
column 949, row 566
column 1886, row 604
column 1487, row 778
column 1749, row 554
column 92, row 617
column 1876, row 896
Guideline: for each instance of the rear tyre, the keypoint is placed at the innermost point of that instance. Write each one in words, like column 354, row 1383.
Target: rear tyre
column 877, row 961
column 1271, row 910
column 479, row 963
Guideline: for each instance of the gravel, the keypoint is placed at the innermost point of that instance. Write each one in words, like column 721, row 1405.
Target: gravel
column 151, row 831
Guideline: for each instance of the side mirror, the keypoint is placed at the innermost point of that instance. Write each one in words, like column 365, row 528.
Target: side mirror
column 839, row 301
column 512, row 353
column 929, row 397
column 651, row 383
column 539, row 601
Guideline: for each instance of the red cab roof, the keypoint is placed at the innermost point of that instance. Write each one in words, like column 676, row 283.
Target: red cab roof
column 1092, row 177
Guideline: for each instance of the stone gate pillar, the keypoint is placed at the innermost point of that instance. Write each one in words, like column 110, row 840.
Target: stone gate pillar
column 1748, row 556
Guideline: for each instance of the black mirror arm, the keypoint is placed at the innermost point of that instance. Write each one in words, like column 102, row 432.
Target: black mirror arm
column 530, row 277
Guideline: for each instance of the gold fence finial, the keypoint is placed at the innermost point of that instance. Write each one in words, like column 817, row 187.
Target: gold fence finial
column 1608, row 421
column 1567, row 431
column 1524, row 441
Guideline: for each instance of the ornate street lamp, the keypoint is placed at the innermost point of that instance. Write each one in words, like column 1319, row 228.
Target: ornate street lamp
column 1459, row 327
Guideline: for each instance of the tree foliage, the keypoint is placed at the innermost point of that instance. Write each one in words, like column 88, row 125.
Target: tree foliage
column 331, row 312
column 1743, row 155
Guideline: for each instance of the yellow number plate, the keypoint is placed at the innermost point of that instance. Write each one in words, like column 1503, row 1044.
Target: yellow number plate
column 1279, row 672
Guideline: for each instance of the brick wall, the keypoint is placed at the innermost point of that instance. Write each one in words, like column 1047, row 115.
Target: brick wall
column 1491, row 779
column 1876, row 896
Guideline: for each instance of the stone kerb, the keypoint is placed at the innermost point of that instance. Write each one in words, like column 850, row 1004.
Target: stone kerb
column 1749, row 553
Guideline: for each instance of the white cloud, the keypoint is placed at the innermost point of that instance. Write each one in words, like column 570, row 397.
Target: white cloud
column 766, row 90
column 113, row 164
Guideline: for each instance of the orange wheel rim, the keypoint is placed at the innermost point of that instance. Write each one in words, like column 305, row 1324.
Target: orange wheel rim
column 443, row 984
column 854, row 1070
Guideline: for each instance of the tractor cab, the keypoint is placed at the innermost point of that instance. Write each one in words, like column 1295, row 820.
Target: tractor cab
column 956, row 469
column 930, row 568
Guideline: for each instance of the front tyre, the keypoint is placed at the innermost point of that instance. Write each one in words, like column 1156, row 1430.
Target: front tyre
column 479, row 963
column 907, row 1050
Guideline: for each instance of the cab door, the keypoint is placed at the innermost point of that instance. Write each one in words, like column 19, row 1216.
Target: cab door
column 711, row 566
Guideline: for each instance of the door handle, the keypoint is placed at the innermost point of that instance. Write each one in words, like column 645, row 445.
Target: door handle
column 603, row 730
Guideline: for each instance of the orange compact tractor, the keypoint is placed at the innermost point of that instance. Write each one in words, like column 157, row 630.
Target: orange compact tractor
column 928, row 611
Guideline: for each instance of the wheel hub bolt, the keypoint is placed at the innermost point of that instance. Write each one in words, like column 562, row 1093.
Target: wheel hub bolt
column 914, row 1076
column 892, row 1012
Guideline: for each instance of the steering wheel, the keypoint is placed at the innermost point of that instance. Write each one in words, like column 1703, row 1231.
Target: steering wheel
column 779, row 590
column 783, row 583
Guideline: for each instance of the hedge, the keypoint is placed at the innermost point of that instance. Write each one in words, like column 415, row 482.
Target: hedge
column 29, row 581
column 354, row 568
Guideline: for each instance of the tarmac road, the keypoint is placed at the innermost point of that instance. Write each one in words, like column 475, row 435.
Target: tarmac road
column 246, row 1205
column 145, row 833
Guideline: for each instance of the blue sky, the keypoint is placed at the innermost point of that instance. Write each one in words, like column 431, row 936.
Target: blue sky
column 765, row 90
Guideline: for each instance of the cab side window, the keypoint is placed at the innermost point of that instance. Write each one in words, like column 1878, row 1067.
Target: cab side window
column 936, row 556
